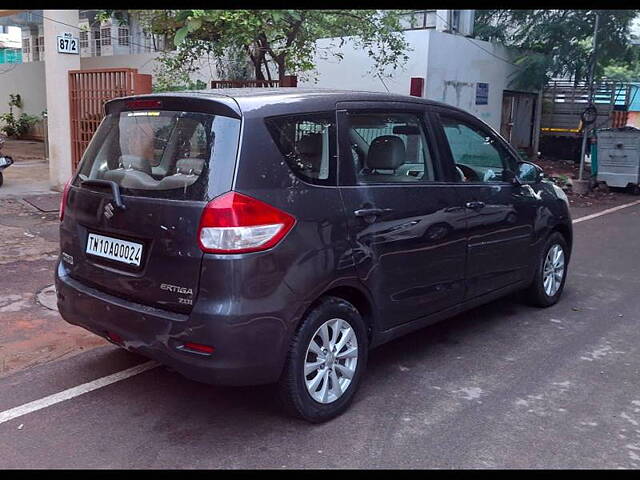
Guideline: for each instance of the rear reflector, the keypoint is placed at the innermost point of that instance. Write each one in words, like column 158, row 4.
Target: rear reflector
column 115, row 338
column 236, row 223
column 197, row 347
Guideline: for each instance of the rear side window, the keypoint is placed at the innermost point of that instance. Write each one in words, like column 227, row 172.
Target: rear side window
column 162, row 154
column 308, row 144
column 390, row 148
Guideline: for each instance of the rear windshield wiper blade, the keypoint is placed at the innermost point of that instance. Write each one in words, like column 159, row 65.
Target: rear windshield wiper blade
column 115, row 190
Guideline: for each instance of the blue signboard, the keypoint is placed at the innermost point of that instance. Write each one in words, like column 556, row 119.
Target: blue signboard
column 482, row 93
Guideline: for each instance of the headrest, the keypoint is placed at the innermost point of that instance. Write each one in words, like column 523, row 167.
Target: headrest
column 133, row 162
column 310, row 149
column 310, row 144
column 386, row 152
column 190, row 166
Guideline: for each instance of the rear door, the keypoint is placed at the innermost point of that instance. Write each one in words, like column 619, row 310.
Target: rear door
column 162, row 163
column 499, row 216
column 406, row 226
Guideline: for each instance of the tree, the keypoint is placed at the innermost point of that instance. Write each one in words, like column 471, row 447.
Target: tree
column 558, row 42
column 625, row 71
column 284, row 38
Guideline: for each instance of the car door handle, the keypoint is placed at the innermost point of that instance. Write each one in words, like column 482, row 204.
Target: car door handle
column 475, row 205
column 371, row 212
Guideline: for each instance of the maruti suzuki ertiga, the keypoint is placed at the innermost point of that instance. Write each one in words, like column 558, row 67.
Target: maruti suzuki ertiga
column 276, row 236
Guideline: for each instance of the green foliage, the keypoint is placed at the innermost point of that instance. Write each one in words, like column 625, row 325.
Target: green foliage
column 557, row 43
column 17, row 126
column 625, row 71
column 118, row 15
column 287, row 38
column 15, row 100
column 162, row 86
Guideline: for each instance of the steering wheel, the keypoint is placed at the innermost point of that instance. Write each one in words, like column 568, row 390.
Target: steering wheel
column 468, row 172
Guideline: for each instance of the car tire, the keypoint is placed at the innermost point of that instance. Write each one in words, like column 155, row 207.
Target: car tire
column 325, row 398
column 1, row 179
column 545, row 291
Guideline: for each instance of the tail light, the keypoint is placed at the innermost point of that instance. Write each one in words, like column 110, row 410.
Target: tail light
column 63, row 199
column 236, row 223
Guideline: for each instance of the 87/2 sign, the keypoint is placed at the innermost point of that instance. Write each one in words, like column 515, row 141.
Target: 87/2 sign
column 67, row 43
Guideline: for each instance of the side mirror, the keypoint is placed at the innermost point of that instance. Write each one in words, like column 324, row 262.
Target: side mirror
column 528, row 173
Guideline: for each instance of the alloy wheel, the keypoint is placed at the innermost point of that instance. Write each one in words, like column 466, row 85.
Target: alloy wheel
column 331, row 360
column 553, row 270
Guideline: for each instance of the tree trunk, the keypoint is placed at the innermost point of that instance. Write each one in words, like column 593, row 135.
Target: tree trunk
column 266, row 67
column 257, row 63
column 280, row 61
column 258, row 68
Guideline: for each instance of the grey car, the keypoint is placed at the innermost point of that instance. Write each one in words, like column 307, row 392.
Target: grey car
column 265, row 236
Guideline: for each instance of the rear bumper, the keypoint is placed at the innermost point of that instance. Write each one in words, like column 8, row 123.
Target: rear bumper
column 248, row 350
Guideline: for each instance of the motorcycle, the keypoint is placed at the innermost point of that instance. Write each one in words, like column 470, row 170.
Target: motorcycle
column 5, row 160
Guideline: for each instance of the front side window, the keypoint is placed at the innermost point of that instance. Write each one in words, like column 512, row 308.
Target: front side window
column 477, row 153
column 162, row 154
column 307, row 142
column 390, row 148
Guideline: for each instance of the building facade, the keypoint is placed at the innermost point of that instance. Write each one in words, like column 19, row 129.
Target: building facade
column 10, row 49
column 450, row 66
column 121, row 35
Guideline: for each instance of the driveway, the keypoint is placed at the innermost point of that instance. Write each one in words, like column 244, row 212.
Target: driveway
column 504, row 385
column 29, row 174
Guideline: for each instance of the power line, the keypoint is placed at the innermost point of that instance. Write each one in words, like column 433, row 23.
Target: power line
column 479, row 46
column 81, row 30
column 13, row 67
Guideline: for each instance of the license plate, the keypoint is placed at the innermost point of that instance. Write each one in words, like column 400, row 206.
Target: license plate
column 114, row 249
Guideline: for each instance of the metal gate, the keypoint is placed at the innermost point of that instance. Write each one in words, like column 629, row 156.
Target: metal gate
column 518, row 118
column 88, row 91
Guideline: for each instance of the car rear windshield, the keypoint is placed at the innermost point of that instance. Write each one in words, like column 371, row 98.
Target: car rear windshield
column 162, row 154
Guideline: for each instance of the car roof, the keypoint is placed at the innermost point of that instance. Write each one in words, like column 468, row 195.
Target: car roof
column 277, row 101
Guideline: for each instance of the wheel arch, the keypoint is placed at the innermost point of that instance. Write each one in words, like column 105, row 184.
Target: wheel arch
column 358, row 297
column 566, row 231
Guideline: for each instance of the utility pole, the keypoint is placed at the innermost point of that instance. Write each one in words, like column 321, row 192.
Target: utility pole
column 585, row 133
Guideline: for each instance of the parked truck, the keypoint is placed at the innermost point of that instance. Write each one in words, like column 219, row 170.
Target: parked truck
column 566, row 107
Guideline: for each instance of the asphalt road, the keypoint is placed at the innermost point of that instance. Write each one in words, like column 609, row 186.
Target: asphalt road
column 504, row 385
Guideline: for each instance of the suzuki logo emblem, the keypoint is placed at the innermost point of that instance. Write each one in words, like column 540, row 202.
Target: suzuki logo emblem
column 108, row 210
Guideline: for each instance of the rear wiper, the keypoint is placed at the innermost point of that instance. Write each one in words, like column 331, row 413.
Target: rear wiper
column 115, row 190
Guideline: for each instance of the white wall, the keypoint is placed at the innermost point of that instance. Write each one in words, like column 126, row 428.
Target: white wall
column 27, row 79
column 352, row 72
column 451, row 64
column 457, row 64
column 57, row 67
column 145, row 63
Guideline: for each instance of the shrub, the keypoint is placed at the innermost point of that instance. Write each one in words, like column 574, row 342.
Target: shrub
column 17, row 126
